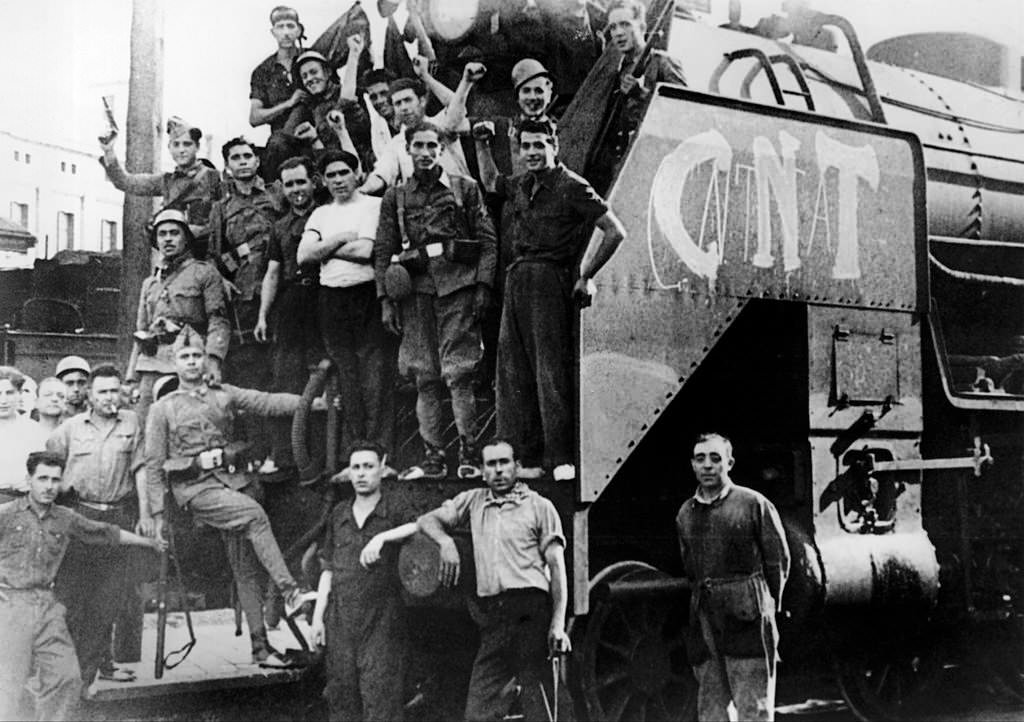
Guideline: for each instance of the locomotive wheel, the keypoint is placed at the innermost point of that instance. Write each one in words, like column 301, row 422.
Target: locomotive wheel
column 630, row 662
column 891, row 682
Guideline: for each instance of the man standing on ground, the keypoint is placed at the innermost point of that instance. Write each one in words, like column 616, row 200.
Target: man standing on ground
column 340, row 237
column 360, row 594
column 442, row 219
column 50, row 403
column 74, row 372
column 191, row 446
column 549, row 214
column 737, row 560
column 104, row 465
column 33, row 634
column 521, row 589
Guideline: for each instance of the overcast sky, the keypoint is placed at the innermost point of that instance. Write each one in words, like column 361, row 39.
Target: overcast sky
column 60, row 56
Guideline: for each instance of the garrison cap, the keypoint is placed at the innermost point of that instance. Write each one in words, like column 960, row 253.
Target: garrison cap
column 164, row 385
column 526, row 70
column 178, row 126
column 72, row 363
column 188, row 337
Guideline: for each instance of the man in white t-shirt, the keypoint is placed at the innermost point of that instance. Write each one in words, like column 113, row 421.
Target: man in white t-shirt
column 20, row 435
column 409, row 99
column 340, row 236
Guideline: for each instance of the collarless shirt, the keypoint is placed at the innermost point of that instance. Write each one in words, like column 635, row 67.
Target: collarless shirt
column 511, row 533
column 344, row 541
column 100, row 460
column 545, row 213
column 32, row 545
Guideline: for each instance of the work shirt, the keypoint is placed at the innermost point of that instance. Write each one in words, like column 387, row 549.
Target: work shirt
column 19, row 437
column 100, row 462
column 240, row 227
column 192, row 190
column 433, row 214
column 344, row 542
column 189, row 421
column 32, row 544
column 271, row 84
column 510, row 536
column 545, row 213
column 284, row 245
column 185, row 292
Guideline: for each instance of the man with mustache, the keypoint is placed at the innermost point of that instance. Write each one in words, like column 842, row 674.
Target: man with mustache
column 182, row 292
column 104, row 465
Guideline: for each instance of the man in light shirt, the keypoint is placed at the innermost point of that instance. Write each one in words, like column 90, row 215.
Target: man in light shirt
column 339, row 236
column 19, row 436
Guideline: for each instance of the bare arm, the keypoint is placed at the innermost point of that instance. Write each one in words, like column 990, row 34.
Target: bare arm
column 554, row 556
column 144, row 525
column 455, row 112
column 357, row 251
column 258, row 115
column 132, row 539
column 314, row 248
column 349, row 79
column 596, row 256
column 371, row 552
column 441, row 91
column 323, row 592
column 483, row 132
column 268, row 293
column 433, row 527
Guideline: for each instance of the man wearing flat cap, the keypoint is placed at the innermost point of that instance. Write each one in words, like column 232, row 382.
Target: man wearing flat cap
column 274, row 92
column 183, row 291
column 191, row 187
column 192, row 447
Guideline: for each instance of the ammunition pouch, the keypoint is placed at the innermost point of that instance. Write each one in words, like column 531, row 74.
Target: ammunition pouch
column 462, row 250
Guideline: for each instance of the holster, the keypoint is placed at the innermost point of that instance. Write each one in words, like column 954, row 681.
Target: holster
column 462, row 250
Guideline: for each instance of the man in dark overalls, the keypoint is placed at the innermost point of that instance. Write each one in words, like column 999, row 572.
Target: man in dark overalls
column 359, row 613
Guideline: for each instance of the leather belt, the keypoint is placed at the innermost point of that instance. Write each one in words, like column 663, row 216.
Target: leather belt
column 106, row 505
column 433, row 250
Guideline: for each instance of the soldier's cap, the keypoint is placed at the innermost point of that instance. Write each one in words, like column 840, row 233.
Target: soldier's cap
column 72, row 363
column 178, row 126
column 386, row 8
column 526, row 70
column 188, row 337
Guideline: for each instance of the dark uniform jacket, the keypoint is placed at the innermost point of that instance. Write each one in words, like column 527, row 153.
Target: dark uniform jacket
column 192, row 190
column 240, row 227
column 445, row 208
column 187, row 292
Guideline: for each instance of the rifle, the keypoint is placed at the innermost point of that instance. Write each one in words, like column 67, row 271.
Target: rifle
column 161, row 614
column 163, row 661
column 613, row 118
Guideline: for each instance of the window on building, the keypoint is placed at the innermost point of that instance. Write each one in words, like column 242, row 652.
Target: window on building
column 65, row 231
column 28, row 159
column 17, row 155
column 74, row 169
column 108, row 235
column 63, row 167
column 19, row 213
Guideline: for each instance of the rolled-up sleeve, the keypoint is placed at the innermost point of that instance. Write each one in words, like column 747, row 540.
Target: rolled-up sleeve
column 549, row 526
column 454, row 512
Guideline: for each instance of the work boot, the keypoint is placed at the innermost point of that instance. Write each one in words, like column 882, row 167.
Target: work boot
column 433, row 466
column 469, row 461
column 263, row 653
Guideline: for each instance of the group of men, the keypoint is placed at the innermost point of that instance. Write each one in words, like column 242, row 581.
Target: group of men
column 293, row 255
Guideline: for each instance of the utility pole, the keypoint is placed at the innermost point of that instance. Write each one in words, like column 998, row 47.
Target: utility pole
column 142, row 155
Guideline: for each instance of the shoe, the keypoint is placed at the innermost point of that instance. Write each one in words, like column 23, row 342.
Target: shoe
column 295, row 599
column 268, row 466
column 530, row 472
column 262, row 651
column 116, row 675
column 469, row 468
column 564, row 472
column 433, row 466
column 272, row 661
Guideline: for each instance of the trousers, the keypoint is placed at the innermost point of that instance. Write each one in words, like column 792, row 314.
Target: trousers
column 36, row 643
column 364, row 354
column 513, row 643
column 535, row 356
column 365, row 659
column 747, row 682
column 441, row 346
column 94, row 585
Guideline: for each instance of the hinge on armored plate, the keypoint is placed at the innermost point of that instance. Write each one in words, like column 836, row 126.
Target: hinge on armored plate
column 887, row 337
column 841, row 333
